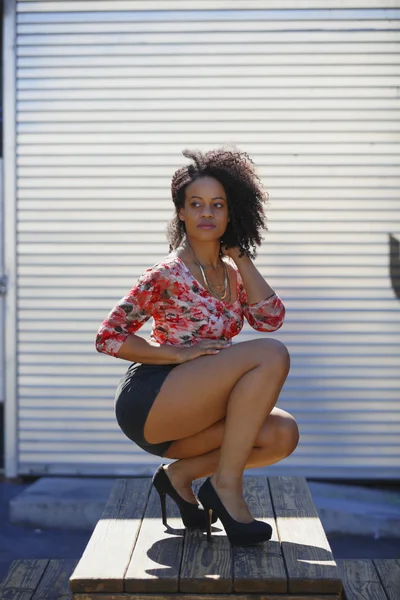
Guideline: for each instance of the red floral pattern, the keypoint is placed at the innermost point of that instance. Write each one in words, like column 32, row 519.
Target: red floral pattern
column 183, row 310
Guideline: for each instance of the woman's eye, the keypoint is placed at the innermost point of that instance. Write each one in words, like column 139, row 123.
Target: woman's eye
column 217, row 204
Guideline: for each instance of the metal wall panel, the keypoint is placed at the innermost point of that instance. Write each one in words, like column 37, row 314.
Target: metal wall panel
column 2, row 274
column 108, row 95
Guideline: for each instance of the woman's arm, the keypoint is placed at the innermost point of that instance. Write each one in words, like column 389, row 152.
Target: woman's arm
column 137, row 349
column 261, row 305
column 131, row 312
column 257, row 288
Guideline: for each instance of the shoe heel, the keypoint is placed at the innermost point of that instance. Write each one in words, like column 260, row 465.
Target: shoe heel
column 209, row 522
column 163, row 508
column 208, row 517
column 190, row 513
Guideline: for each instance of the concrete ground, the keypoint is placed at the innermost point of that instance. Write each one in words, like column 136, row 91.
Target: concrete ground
column 19, row 541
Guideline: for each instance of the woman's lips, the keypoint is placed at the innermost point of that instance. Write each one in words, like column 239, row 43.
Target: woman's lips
column 209, row 226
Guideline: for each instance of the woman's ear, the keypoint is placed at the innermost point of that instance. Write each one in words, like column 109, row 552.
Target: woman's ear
column 181, row 214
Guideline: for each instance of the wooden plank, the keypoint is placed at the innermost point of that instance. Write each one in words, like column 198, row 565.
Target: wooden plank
column 22, row 579
column 259, row 568
column 156, row 558
column 110, row 596
column 308, row 557
column 54, row 584
column 389, row 572
column 107, row 555
column 206, row 567
column 360, row 579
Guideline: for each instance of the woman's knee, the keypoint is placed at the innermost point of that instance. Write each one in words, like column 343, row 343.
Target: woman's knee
column 273, row 354
column 288, row 436
column 280, row 433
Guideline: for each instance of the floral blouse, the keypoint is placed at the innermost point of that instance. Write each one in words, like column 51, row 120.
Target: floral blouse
column 183, row 310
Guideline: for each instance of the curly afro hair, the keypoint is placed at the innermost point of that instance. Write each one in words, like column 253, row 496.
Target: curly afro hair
column 245, row 194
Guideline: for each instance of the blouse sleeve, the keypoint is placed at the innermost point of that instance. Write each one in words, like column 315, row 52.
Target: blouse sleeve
column 131, row 312
column 266, row 315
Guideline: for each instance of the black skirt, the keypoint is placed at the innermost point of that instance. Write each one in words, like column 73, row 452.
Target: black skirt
column 134, row 398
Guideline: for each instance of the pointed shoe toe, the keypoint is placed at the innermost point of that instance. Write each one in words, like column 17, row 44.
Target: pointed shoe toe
column 239, row 534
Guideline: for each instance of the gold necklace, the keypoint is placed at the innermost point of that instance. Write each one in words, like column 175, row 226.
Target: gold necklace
column 226, row 294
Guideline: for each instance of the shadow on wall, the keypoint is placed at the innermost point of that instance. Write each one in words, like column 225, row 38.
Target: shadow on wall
column 394, row 265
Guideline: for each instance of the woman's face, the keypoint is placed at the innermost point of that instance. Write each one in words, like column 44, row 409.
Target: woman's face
column 205, row 204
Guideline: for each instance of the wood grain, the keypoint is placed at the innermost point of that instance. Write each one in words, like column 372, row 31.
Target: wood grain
column 389, row 574
column 206, row 567
column 156, row 558
column 360, row 580
column 22, row 579
column 308, row 557
column 110, row 596
column 259, row 568
column 106, row 557
column 54, row 583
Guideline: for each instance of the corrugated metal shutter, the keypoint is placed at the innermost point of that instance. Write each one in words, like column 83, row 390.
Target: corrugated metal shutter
column 109, row 93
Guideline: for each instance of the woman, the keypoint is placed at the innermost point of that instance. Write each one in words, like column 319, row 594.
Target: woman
column 190, row 394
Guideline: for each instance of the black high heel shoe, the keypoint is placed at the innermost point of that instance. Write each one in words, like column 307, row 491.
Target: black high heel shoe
column 239, row 534
column 192, row 514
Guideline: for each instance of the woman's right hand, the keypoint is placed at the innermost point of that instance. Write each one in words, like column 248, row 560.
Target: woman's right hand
column 200, row 349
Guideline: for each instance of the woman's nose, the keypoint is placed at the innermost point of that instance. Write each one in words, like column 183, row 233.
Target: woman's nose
column 207, row 211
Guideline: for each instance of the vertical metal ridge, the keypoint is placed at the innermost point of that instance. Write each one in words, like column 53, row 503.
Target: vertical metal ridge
column 10, row 211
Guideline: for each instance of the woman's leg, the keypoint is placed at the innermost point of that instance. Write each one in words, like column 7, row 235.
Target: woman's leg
column 199, row 454
column 244, row 420
column 241, row 384
column 195, row 394
column 278, row 437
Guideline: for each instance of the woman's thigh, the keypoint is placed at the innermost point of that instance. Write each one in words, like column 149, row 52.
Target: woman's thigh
column 194, row 395
column 279, row 432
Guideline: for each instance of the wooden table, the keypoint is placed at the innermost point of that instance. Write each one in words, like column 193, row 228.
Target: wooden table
column 132, row 555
